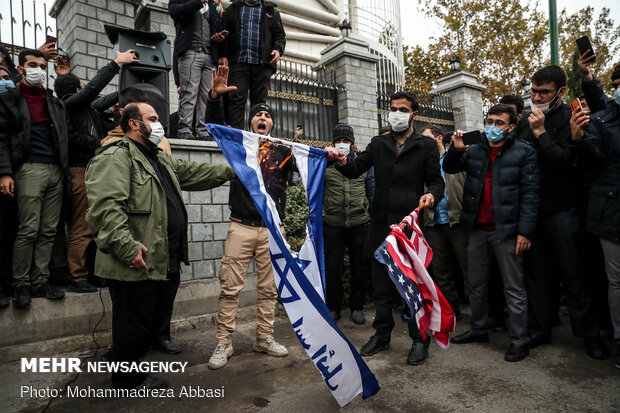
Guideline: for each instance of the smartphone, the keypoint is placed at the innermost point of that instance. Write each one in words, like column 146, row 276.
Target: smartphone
column 50, row 39
column 576, row 105
column 472, row 138
column 583, row 44
column 224, row 32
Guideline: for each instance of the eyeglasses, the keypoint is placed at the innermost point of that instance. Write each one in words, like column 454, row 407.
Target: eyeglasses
column 498, row 122
column 543, row 93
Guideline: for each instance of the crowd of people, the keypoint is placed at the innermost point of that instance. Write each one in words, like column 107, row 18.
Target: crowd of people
column 521, row 222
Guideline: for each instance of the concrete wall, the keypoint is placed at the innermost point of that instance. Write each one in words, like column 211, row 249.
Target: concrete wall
column 208, row 225
column 466, row 94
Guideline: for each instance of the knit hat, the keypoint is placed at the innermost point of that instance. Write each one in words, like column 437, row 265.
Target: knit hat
column 257, row 108
column 343, row 131
column 616, row 73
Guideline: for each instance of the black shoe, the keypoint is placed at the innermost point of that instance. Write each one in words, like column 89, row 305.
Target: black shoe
column 516, row 352
column 539, row 339
column 186, row 135
column 418, row 353
column 496, row 324
column 607, row 334
column 82, row 286
column 152, row 382
column 335, row 314
column 470, row 337
column 596, row 348
column 358, row 317
column 167, row 346
column 107, row 356
column 47, row 291
column 21, row 297
column 375, row 345
column 617, row 363
column 4, row 300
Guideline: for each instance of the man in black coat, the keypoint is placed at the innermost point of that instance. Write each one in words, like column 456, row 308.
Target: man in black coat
column 500, row 206
column 34, row 167
column 556, row 239
column 404, row 163
column 255, row 43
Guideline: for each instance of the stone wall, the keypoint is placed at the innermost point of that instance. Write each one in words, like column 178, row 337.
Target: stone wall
column 82, row 36
column 466, row 94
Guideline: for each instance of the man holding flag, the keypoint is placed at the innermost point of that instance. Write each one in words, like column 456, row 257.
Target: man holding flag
column 404, row 164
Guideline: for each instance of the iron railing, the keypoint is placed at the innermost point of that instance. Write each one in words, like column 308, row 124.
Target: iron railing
column 435, row 109
column 304, row 95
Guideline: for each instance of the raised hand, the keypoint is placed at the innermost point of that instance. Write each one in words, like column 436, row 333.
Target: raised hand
column 219, row 86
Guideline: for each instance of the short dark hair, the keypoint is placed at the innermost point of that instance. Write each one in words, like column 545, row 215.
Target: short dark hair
column 131, row 111
column 447, row 138
column 435, row 130
column 552, row 73
column 513, row 100
column 581, row 97
column 132, row 95
column 504, row 108
column 66, row 84
column 384, row 129
column 403, row 94
column 29, row 52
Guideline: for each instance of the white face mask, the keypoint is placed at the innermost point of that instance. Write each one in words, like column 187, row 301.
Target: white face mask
column 546, row 107
column 35, row 76
column 157, row 132
column 343, row 147
column 399, row 121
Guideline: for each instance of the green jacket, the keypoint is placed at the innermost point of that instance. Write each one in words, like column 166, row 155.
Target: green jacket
column 127, row 207
column 344, row 202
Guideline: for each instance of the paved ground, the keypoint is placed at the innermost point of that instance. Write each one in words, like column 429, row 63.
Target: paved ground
column 473, row 377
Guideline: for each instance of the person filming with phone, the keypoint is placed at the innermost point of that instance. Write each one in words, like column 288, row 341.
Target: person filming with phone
column 196, row 23
column 554, row 247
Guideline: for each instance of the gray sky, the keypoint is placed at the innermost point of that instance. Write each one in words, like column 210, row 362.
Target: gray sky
column 417, row 29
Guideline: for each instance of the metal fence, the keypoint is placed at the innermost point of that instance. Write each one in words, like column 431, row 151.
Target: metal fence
column 304, row 95
column 435, row 109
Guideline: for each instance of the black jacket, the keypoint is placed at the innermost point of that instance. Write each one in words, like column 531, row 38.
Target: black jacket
column 85, row 119
column 515, row 185
column 399, row 180
column 596, row 98
column 272, row 36
column 555, row 158
column 183, row 12
column 601, row 147
column 15, row 129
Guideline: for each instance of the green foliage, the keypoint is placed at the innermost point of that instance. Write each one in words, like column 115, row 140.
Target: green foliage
column 296, row 216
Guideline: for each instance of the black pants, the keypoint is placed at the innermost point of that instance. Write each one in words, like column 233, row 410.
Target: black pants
column 8, row 230
column 554, row 248
column 254, row 78
column 385, row 295
column 336, row 240
column 140, row 310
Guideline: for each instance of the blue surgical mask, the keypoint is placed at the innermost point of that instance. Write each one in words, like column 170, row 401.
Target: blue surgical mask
column 493, row 133
column 6, row 84
column 617, row 95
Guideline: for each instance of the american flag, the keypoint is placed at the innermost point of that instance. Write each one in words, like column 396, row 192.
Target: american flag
column 406, row 260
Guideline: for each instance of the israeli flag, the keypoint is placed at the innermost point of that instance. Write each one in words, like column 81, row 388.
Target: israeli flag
column 299, row 276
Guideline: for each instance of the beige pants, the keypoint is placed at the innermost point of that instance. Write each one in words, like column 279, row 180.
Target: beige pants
column 242, row 244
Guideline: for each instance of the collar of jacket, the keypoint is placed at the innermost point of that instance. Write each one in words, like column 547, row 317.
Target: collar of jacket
column 18, row 103
column 412, row 140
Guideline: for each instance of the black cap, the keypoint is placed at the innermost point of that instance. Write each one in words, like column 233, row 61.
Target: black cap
column 343, row 131
column 258, row 108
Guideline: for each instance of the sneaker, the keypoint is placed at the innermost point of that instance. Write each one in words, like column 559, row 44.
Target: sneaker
column 82, row 286
column 220, row 356
column 47, row 291
column 271, row 347
column 21, row 297
column 186, row 135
